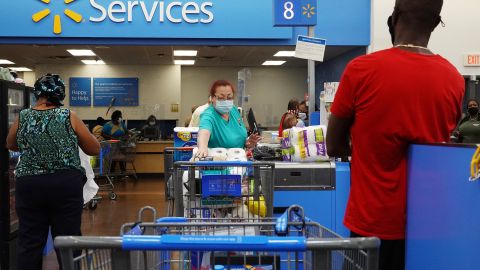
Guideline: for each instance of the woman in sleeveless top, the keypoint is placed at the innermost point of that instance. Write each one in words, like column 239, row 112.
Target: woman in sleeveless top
column 49, row 177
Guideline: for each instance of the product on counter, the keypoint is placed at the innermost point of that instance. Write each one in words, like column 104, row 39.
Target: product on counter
column 304, row 144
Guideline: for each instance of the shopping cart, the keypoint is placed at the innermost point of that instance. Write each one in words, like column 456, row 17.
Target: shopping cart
column 208, row 189
column 125, row 153
column 101, row 166
column 171, row 155
column 181, row 243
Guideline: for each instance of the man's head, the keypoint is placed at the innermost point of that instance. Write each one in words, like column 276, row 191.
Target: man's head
column 293, row 104
column 421, row 16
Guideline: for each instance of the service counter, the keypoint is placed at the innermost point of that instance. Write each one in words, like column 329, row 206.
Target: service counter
column 150, row 156
column 443, row 216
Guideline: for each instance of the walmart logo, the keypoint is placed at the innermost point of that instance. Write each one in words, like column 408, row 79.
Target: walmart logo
column 57, row 23
column 308, row 10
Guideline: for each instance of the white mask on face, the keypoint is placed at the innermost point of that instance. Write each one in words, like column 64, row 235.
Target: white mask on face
column 302, row 116
column 152, row 123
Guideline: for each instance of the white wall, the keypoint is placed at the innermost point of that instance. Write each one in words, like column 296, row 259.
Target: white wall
column 159, row 87
column 461, row 34
column 270, row 89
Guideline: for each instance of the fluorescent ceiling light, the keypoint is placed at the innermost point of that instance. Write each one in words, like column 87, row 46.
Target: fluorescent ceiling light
column 20, row 69
column 184, row 62
column 285, row 54
column 6, row 62
column 81, row 52
column 273, row 63
column 184, row 53
column 93, row 62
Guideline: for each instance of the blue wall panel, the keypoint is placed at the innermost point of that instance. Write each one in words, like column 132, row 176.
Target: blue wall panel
column 443, row 217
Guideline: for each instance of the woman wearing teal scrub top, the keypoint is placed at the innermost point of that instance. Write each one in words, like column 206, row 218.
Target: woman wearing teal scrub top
column 221, row 124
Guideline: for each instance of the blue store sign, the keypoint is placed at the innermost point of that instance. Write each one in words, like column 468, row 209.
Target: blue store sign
column 124, row 90
column 295, row 12
column 80, row 91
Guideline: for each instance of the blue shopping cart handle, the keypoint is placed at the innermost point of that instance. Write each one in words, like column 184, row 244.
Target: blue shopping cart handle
column 171, row 220
column 224, row 163
column 212, row 243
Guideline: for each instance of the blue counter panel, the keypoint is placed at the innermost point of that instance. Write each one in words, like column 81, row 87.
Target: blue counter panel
column 443, row 216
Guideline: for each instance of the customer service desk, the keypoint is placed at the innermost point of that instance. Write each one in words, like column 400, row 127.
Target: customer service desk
column 150, row 156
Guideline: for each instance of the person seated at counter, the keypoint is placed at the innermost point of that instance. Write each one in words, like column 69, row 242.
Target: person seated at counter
column 221, row 124
column 151, row 131
column 97, row 130
column 468, row 130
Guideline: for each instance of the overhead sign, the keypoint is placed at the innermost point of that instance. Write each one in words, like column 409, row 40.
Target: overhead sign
column 471, row 60
column 140, row 19
column 295, row 12
column 80, row 91
column 124, row 90
column 310, row 48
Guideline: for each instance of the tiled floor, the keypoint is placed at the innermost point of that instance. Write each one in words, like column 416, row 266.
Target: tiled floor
column 107, row 219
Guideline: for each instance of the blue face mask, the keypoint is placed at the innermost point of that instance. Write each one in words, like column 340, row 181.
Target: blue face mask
column 224, row 106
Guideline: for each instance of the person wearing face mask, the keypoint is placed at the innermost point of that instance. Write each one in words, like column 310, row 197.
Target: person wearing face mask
column 221, row 124
column 115, row 130
column 468, row 130
column 303, row 111
column 151, row 131
column 386, row 101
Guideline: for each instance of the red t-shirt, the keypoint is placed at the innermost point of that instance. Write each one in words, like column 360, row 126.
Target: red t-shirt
column 396, row 98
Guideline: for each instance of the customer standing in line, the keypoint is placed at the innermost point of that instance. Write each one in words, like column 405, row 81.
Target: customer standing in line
column 97, row 130
column 386, row 101
column 221, row 124
column 48, row 137
column 116, row 130
column 468, row 130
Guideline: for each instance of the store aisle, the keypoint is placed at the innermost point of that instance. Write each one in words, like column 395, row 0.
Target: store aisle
column 107, row 219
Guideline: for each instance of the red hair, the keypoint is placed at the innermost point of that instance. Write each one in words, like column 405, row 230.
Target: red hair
column 219, row 83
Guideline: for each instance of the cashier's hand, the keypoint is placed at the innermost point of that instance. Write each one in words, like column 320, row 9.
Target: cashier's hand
column 202, row 153
column 253, row 140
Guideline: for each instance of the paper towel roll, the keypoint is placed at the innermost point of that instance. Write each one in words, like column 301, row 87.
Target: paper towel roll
column 218, row 154
column 310, row 153
column 308, row 135
column 236, row 154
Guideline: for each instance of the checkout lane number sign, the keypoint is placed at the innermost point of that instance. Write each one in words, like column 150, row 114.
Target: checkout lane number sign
column 295, row 12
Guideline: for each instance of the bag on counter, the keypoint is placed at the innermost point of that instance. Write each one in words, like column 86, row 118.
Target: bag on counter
column 304, row 144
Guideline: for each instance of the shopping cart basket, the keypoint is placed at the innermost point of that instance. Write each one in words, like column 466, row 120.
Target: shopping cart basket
column 208, row 189
column 101, row 166
column 247, row 244
column 171, row 155
column 126, row 152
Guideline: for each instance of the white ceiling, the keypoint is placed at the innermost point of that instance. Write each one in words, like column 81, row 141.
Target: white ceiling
column 238, row 56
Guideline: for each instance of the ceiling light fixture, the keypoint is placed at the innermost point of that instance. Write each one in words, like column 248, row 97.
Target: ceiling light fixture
column 184, row 62
column 273, row 63
column 20, row 69
column 285, row 54
column 93, row 62
column 185, row 53
column 6, row 62
column 81, row 52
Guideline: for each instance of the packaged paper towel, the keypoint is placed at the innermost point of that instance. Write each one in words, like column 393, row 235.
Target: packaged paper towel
column 184, row 137
column 304, row 144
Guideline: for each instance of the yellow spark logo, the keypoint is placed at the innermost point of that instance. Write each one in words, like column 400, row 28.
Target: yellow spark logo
column 57, row 24
column 308, row 10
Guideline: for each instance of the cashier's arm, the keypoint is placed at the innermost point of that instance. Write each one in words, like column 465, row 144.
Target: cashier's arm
column 12, row 137
column 338, row 136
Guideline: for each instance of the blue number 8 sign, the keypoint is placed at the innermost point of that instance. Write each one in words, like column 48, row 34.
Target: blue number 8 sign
column 295, row 12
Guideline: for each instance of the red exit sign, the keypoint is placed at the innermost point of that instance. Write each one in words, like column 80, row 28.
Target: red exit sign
column 471, row 60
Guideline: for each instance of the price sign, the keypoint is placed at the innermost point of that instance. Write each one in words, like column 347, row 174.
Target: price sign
column 295, row 12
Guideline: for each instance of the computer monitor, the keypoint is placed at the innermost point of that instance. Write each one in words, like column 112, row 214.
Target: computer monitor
column 151, row 133
column 251, row 122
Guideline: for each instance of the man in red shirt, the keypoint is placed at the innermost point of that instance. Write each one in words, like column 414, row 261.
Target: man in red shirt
column 386, row 101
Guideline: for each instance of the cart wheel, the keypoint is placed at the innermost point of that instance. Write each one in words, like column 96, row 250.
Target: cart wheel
column 112, row 195
column 92, row 205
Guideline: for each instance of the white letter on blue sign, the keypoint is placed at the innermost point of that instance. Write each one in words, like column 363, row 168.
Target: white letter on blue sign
column 101, row 9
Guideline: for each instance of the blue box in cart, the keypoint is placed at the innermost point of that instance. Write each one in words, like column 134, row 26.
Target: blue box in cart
column 184, row 137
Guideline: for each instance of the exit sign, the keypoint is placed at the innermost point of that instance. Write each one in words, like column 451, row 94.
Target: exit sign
column 471, row 60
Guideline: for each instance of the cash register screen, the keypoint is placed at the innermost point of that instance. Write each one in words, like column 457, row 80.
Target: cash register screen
column 151, row 133
column 251, row 121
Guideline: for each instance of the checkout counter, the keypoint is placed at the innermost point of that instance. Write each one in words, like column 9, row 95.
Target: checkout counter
column 443, row 216
column 322, row 189
column 150, row 155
